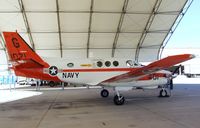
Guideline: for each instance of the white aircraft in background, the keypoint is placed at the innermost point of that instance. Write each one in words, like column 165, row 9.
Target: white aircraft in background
column 104, row 72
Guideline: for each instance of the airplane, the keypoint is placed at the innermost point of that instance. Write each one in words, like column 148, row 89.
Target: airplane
column 121, row 74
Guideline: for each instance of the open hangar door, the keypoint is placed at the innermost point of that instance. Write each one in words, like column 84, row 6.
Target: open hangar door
column 136, row 29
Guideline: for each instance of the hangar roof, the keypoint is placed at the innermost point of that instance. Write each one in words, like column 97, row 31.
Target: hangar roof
column 137, row 29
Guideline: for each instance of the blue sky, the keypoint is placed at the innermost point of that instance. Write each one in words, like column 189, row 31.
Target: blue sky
column 187, row 34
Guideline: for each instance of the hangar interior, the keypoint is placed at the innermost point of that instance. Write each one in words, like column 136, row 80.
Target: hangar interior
column 136, row 29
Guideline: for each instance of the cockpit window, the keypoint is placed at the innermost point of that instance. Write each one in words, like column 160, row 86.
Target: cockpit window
column 129, row 63
column 136, row 64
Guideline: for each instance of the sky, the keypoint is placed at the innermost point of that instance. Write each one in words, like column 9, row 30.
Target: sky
column 187, row 34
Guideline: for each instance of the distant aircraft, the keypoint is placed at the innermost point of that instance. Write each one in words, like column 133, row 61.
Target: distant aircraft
column 122, row 74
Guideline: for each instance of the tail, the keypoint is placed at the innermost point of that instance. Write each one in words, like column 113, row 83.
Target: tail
column 20, row 53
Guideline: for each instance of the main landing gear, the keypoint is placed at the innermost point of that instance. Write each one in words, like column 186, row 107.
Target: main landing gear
column 118, row 98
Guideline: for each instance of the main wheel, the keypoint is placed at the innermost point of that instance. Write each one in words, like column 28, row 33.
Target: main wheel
column 163, row 93
column 119, row 100
column 104, row 93
column 52, row 84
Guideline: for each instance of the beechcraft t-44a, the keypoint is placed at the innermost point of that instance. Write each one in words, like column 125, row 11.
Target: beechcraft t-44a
column 104, row 72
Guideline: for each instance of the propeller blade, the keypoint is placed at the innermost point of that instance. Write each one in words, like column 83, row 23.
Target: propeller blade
column 171, row 85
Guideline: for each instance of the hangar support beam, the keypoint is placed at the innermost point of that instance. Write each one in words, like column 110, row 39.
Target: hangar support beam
column 26, row 23
column 119, row 26
column 146, row 29
column 136, row 32
column 89, row 28
column 108, row 12
column 59, row 29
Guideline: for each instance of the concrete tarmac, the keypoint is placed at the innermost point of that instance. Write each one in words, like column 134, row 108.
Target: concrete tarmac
column 84, row 108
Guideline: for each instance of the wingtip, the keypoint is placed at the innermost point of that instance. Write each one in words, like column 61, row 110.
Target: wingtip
column 192, row 56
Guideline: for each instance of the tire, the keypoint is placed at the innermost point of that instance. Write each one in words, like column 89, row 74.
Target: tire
column 119, row 100
column 163, row 93
column 51, row 84
column 104, row 93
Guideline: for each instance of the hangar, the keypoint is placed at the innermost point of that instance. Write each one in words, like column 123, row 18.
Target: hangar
column 136, row 29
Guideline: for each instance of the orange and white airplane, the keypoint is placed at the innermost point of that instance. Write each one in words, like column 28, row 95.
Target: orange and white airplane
column 123, row 74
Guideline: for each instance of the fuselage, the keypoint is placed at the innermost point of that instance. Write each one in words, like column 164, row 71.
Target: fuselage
column 90, row 71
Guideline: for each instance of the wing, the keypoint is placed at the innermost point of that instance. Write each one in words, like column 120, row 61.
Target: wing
column 151, row 68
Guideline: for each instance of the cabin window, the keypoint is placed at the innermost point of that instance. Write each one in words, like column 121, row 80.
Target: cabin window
column 129, row 63
column 70, row 65
column 107, row 63
column 115, row 63
column 99, row 64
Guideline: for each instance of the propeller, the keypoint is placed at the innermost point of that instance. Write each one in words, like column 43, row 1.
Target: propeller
column 176, row 69
column 171, row 85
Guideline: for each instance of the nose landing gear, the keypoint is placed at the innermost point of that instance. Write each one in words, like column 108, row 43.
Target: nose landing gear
column 164, row 93
column 166, row 90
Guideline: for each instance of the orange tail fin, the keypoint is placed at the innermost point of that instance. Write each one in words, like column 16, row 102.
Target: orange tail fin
column 20, row 53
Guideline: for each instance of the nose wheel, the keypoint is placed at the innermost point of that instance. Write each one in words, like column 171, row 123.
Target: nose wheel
column 104, row 93
column 164, row 93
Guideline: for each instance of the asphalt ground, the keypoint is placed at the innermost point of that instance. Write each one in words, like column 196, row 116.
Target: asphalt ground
column 84, row 108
